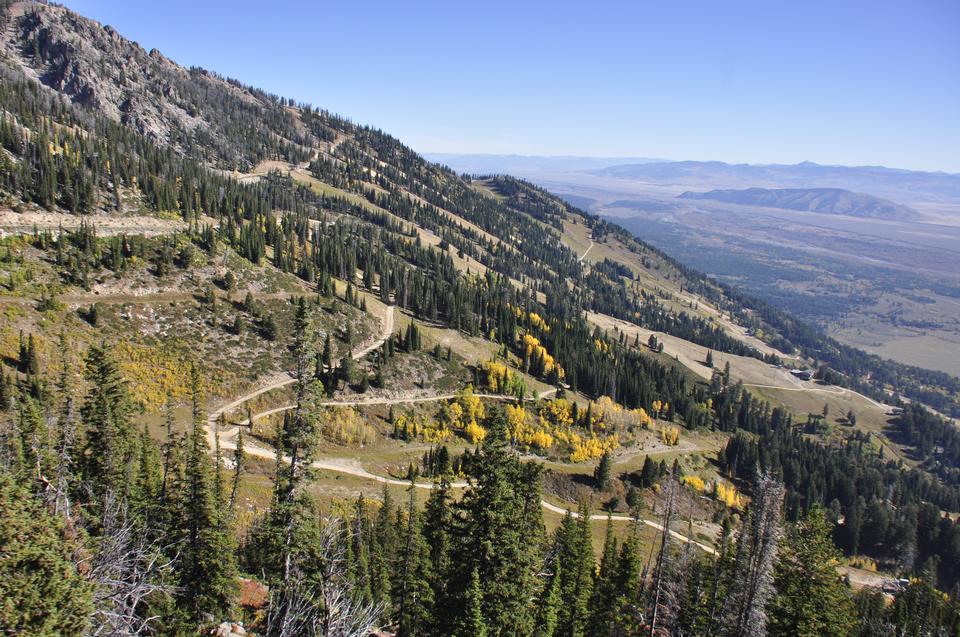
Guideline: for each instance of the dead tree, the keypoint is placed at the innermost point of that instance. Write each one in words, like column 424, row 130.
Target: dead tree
column 126, row 569
column 751, row 584
column 327, row 605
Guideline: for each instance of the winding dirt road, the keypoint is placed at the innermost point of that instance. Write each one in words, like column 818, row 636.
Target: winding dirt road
column 386, row 331
column 227, row 437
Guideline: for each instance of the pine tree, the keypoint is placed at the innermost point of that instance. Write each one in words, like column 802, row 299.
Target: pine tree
column 499, row 532
column 436, row 530
column 42, row 592
column 239, row 465
column 811, row 599
column 471, row 623
column 574, row 552
column 146, row 492
column 207, row 568
column 110, row 446
column 602, row 475
column 416, row 595
column 627, row 583
column 604, row 597
column 548, row 607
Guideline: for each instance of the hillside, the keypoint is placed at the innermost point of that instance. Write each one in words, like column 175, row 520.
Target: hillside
column 834, row 201
column 191, row 110
column 243, row 336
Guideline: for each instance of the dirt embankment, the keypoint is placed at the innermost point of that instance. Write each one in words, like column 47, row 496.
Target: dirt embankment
column 27, row 222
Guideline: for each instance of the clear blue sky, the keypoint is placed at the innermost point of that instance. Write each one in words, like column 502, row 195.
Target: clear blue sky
column 845, row 82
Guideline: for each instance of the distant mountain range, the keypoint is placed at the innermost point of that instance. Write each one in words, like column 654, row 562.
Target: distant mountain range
column 894, row 183
column 528, row 164
column 898, row 185
column 834, row 201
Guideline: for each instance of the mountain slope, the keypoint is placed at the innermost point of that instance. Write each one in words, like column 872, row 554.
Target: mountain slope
column 834, row 201
column 435, row 323
column 192, row 110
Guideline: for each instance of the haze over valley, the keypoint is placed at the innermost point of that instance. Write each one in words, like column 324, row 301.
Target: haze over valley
column 870, row 253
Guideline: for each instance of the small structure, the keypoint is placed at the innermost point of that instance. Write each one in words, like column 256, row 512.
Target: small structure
column 802, row 374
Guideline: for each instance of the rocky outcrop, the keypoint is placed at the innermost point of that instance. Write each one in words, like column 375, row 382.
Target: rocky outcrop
column 95, row 67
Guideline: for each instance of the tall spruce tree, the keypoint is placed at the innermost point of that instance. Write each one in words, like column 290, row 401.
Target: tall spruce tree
column 811, row 599
column 498, row 533
column 207, row 566
column 110, row 439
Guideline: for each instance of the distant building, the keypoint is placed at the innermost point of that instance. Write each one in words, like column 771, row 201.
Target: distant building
column 802, row 374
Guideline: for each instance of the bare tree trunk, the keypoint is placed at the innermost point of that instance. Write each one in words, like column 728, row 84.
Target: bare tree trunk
column 663, row 556
column 126, row 569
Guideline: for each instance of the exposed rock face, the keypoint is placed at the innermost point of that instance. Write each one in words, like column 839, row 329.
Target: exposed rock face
column 230, row 629
column 191, row 109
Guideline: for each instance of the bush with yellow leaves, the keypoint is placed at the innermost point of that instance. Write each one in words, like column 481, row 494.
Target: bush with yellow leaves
column 728, row 495
column 347, row 427
column 607, row 415
column 475, row 432
column 694, row 482
column 670, row 435
column 583, row 448
column 502, row 380
column 556, row 413
column 522, row 433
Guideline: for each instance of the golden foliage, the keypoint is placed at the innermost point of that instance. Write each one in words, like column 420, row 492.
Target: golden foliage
column 345, row 426
column 521, row 432
column 670, row 435
column 607, row 415
column 502, row 380
column 475, row 433
column 556, row 413
column 728, row 495
column 694, row 482
column 533, row 349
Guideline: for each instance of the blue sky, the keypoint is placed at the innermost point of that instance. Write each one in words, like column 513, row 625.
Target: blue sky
column 842, row 82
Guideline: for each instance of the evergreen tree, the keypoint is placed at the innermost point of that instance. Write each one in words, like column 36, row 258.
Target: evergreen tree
column 604, row 597
column 811, row 599
column 499, row 533
column 471, row 622
column 574, row 552
column 602, row 475
column 436, row 530
column 416, row 595
column 110, row 441
column 207, row 567
column 42, row 592
column 548, row 607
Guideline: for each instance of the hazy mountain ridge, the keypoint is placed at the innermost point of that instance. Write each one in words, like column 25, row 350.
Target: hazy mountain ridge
column 528, row 164
column 896, row 183
column 836, row 201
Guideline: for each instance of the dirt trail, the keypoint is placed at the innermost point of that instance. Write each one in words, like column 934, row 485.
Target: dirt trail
column 285, row 379
column 26, row 222
column 363, row 402
column 836, row 391
column 354, row 469
column 73, row 300
column 227, row 440
column 586, row 252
